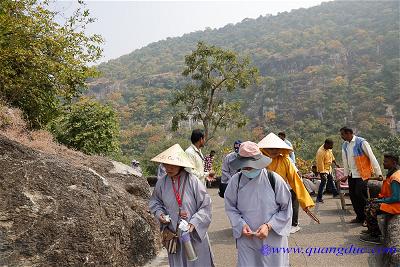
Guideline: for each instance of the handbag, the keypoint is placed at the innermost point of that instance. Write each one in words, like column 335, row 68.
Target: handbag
column 169, row 238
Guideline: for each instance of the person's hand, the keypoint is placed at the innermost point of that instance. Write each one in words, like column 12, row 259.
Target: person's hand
column 183, row 214
column 262, row 231
column 191, row 227
column 306, row 209
column 162, row 219
column 247, row 231
column 211, row 173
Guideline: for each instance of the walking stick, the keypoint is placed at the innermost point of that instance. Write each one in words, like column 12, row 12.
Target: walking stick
column 309, row 213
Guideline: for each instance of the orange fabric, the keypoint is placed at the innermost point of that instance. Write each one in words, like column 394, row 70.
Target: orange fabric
column 283, row 166
column 364, row 166
column 392, row 208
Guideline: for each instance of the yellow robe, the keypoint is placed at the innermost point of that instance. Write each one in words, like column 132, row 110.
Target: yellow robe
column 284, row 167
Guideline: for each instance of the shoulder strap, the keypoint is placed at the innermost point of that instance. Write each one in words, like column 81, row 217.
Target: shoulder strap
column 271, row 179
column 237, row 190
column 200, row 155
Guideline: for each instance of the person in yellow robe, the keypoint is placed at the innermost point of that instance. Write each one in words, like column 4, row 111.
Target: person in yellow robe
column 273, row 147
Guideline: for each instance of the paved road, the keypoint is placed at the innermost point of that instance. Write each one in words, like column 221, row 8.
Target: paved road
column 334, row 231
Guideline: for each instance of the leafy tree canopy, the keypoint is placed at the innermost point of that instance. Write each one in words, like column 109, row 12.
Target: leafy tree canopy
column 215, row 72
column 43, row 64
column 90, row 127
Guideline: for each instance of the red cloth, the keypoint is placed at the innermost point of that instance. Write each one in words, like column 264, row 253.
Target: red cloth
column 339, row 173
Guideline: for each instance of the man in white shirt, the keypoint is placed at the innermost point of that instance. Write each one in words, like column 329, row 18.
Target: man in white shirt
column 195, row 155
column 359, row 164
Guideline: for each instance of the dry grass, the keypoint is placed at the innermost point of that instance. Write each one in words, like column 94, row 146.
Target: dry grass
column 13, row 126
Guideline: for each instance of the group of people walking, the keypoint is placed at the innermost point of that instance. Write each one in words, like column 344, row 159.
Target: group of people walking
column 263, row 191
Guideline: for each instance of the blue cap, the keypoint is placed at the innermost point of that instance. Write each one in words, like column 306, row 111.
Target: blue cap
column 236, row 145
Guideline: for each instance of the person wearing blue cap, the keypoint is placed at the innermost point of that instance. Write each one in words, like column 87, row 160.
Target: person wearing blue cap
column 227, row 170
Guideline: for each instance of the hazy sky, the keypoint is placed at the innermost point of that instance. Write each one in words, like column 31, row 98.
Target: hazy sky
column 129, row 25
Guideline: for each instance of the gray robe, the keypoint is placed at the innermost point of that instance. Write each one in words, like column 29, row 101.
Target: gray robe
column 227, row 170
column 161, row 171
column 197, row 203
column 256, row 204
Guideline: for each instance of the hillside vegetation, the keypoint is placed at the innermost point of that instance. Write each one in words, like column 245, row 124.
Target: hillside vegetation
column 321, row 68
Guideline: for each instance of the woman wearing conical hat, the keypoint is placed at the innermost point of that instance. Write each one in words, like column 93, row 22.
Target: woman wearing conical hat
column 273, row 147
column 178, row 196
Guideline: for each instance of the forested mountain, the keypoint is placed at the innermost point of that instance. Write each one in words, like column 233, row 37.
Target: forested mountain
column 321, row 68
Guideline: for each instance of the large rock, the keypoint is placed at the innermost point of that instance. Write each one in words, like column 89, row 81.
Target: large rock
column 59, row 211
column 392, row 240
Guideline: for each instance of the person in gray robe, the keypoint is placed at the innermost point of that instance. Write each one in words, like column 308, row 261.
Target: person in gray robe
column 195, row 209
column 227, row 170
column 260, row 211
column 160, row 171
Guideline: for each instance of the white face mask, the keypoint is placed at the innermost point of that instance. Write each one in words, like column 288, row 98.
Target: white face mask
column 251, row 173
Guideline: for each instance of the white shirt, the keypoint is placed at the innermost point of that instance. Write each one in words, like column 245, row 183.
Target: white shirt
column 349, row 164
column 197, row 159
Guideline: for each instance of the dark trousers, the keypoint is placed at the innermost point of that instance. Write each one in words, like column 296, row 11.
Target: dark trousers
column 326, row 177
column 295, row 207
column 358, row 196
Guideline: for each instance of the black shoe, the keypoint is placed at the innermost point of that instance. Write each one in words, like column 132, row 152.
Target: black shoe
column 319, row 200
column 371, row 239
column 367, row 232
column 356, row 221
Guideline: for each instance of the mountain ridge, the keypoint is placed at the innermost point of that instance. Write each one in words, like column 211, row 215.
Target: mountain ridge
column 321, row 68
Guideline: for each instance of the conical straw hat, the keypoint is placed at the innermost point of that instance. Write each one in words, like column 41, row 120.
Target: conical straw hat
column 174, row 156
column 273, row 141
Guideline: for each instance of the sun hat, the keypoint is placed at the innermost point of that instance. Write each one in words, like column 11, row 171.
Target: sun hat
column 174, row 156
column 250, row 156
column 273, row 141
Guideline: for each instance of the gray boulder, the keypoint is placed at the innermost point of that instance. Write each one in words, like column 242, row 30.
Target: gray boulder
column 60, row 211
column 392, row 240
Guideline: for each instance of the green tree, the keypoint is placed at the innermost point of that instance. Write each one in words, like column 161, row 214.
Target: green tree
column 390, row 144
column 43, row 64
column 90, row 127
column 215, row 73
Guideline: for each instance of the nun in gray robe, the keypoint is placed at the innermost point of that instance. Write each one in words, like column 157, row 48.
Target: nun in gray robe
column 197, row 203
column 254, row 202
